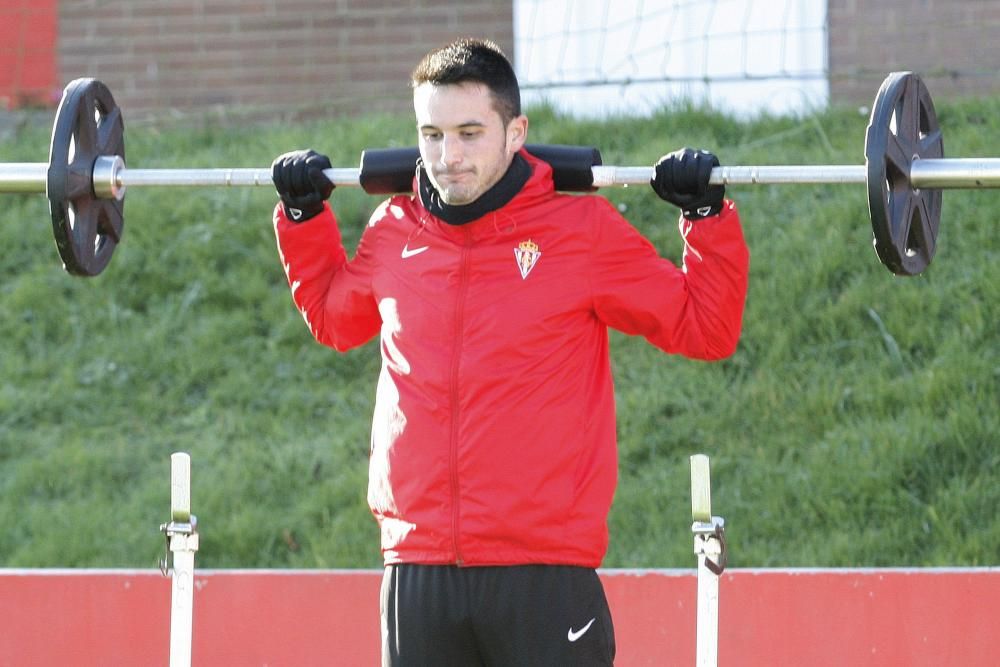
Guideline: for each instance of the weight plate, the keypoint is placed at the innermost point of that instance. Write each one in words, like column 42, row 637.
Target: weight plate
column 88, row 124
column 903, row 128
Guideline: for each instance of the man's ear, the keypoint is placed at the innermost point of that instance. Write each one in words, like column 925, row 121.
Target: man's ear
column 517, row 134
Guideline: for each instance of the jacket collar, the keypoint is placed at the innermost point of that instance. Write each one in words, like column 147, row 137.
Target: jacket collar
column 537, row 184
column 496, row 197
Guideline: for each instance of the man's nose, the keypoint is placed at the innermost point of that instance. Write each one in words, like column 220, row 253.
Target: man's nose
column 451, row 151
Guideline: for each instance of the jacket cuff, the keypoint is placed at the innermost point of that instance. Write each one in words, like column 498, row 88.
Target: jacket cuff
column 283, row 217
column 704, row 213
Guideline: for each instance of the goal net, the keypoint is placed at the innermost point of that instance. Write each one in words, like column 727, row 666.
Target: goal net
column 608, row 57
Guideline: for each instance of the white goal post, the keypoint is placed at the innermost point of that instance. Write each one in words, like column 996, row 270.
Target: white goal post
column 607, row 57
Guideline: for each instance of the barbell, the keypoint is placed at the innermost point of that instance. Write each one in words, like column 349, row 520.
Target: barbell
column 905, row 171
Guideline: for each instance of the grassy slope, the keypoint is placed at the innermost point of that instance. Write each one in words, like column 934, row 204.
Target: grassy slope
column 857, row 424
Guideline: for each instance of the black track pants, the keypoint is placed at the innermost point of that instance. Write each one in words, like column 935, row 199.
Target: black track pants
column 447, row 616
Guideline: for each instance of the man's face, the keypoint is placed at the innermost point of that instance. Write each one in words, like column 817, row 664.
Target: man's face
column 463, row 142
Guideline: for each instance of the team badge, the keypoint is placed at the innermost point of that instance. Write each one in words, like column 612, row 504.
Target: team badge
column 526, row 254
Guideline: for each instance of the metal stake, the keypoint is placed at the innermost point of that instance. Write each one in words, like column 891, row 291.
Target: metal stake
column 182, row 544
column 710, row 548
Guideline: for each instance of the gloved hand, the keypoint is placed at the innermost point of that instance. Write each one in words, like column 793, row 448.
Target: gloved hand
column 299, row 179
column 681, row 178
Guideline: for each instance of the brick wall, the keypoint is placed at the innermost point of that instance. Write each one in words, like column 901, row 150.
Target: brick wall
column 953, row 44
column 307, row 57
column 301, row 57
column 28, row 53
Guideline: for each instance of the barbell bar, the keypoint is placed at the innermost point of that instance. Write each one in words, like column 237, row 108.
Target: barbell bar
column 941, row 173
column 905, row 170
column 111, row 177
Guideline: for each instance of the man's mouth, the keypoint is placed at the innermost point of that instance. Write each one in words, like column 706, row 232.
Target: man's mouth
column 453, row 175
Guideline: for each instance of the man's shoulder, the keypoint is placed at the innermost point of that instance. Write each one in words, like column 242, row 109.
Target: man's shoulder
column 395, row 208
column 587, row 203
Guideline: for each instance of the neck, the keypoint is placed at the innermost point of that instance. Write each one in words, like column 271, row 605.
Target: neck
column 496, row 197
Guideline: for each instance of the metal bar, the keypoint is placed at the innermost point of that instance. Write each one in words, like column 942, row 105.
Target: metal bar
column 803, row 175
column 707, row 545
column 180, row 487
column 182, row 533
column 942, row 173
column 181, row 608
column 29, row 177
column 127, row 177
column 701, row 489
column 707, row 630
column 763, row 175
column 954, row 173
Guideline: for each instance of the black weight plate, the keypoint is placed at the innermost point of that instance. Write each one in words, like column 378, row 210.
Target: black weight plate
column 87, row 229
column 903, row 128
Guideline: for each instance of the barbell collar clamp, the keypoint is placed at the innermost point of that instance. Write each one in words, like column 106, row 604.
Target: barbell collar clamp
column 107, row 181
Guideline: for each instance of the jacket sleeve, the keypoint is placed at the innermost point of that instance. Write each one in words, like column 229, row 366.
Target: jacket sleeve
column 333, row 294
column 695, row 310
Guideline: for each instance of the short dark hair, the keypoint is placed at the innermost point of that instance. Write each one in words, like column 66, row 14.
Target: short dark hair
column 478, row 61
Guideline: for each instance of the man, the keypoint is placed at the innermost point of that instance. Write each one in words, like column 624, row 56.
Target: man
column 493, row 455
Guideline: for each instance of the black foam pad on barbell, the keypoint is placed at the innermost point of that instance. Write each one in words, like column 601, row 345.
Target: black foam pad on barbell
column 392, row 170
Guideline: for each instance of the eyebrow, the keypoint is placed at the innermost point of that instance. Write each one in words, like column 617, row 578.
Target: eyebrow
column 468, row 123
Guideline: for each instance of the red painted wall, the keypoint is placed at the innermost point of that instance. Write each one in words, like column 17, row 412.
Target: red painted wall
column 28, row 71
column 912, row 618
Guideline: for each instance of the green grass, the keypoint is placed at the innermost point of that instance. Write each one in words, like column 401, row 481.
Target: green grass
column 857, row 425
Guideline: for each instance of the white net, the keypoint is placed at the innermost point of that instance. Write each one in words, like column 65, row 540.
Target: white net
column 600, row 57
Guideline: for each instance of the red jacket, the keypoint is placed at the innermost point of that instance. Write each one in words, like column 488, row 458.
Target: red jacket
column 493, row 438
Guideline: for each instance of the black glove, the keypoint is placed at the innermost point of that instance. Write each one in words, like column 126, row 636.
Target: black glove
column 681, row 178
column 303, row 187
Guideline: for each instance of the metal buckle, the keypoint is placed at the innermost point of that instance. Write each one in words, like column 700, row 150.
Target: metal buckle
column 710, row 541
column 179, row 536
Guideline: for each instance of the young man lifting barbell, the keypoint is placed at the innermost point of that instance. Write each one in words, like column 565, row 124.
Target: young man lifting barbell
column 493, row 448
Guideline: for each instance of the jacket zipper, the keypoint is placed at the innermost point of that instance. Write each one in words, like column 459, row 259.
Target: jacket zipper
column 456, row 356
